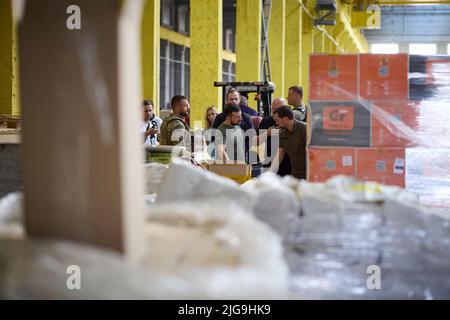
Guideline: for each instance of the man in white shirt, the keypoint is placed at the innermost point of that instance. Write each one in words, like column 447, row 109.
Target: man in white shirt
column 151, row 124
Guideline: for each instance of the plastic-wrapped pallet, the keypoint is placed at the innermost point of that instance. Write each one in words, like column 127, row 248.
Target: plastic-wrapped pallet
column 38, row 269
column 11, row 215
column 276, row 203
column 185, row 182
column 350, row 228
column 153, row 173
column 219, row 249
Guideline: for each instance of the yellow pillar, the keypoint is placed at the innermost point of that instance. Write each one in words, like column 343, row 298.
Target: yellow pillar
column 338, row 34
column 293, row 68
column 277, row 45
column 248, row 40
column 323, row 43
column 307, row 49
column 15, row 80
column 328, row 44
column 150, row 50
column 206, row 57
column 318, row 41
column 6, row 58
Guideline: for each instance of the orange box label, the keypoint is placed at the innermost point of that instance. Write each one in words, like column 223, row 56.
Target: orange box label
column 338, row 118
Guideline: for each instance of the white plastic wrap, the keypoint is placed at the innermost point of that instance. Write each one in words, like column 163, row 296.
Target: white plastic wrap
column 276, row 203
column 185, row 182
column 38, row 269
column 153, row 174
column 218, row 249
column 388, row 114
column 11, row 215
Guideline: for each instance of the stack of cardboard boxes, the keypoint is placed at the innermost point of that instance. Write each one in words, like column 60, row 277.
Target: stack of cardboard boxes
column 362, row 117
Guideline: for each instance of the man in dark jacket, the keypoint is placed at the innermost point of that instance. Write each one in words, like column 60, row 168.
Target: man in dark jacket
column 266, row 123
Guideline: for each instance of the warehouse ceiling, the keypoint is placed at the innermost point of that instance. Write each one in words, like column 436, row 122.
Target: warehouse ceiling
column 412, row 24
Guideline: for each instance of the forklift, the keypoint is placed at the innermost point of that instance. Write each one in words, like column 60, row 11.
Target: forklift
column 263, row 90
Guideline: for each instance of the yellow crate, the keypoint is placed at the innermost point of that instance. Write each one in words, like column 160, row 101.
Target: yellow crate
column 239, row 173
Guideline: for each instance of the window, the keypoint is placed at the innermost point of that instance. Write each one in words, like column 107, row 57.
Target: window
column 229, row 40
column 384, row 48
column 422, row 48
column 174, row 72
column 228, row 71
column 182, row 19
column 167, row 13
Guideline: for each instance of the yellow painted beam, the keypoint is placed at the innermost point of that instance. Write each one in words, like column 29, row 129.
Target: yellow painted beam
column 307, row 49
column 408, row 2
column 248, row 40
column 175, row 37
column 206, row 58
column 6, row 58
column 229, row 56
column 344, row 18
column 277, row 32
column 318, row 41
column 338, row 34
column 16, row 73
column 293, row 63
column 150, row 50
column 366, row 20
column 329, row 45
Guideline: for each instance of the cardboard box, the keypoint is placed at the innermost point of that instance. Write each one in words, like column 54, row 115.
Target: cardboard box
column 324, row 163
column 394, row 123
column 383, row 165
column 240, row 173
column 340, row 123
column 333, row 77
column 383, row 76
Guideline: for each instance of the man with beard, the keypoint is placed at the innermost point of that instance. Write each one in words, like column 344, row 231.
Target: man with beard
column 230, row 143
column 175, row 130
column 292, row 142
column 269, row 124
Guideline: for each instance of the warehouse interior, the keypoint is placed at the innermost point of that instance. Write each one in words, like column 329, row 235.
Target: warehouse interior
column 89, row 211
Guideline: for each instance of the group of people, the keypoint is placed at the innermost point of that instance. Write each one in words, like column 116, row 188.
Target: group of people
column 284, row 133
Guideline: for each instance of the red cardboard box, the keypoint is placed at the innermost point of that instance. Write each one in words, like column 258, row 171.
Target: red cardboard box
column 324, row 163
column 383, row 165
column 333, row 77
column 394, row 123
column 383, row 76
column 340, row 124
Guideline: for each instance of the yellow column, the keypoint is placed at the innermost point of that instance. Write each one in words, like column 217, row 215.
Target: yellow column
column 277, row 42
column 307, row 49
column 338, row 34
column 6, row 57
column 293, row 67
column 248, row 40
column 150, row 47
column 206, row 57
column 328, row 44
column 15, row 79
column 318, row 41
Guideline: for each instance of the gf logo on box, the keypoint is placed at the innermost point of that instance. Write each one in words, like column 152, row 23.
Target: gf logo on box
column 338, row 118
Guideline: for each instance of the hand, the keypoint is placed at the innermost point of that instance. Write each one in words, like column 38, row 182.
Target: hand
column 151, row 131
column 273, row 131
